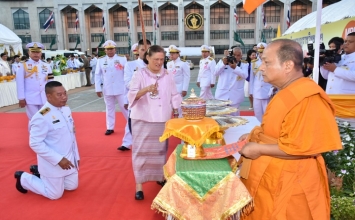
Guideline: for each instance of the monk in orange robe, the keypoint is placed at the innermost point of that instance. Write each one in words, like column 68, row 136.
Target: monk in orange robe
column 288, row 179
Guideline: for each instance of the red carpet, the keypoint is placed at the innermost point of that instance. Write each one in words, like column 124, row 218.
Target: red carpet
column 106, row 182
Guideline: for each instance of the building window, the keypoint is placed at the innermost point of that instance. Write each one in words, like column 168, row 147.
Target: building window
column 194, row 35
column 170, row 35
column 25, row 38
column 147, row 16
column 73, row 38
column 270, row 33
column 120, row 17
column 219, row 49
column 245, row 33
column 194, row 8
column 96, row 37
column 220, row 14
column 48, row 38
column 169, row 15
column 120, row 37
column 220, row 34
column 71, row 18
column 298, row 10
column 149, row 36
column 96, row 18
column 245, row 48
column 43, row 16
column 21, row 19
column 243, row 16
column 272, row 12
column 122, row 50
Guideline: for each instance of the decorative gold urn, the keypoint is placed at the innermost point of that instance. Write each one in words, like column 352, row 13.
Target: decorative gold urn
column 193, row 108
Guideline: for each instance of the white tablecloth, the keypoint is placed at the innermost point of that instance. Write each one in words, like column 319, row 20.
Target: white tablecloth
column 8, row 93
column 232, row 134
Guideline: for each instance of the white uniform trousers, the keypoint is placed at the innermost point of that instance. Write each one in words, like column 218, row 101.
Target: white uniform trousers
column 206, row 93
column 31, row 110
column 237, row 113
column 50, row 187
column 260, row 107
column 92, row 77
column 110, row 101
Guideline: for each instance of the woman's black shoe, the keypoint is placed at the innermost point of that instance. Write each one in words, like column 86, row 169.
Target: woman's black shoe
column 139, row 195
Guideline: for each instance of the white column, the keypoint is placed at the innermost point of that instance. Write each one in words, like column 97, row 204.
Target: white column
column 259, row 26
column 314, row 5
column 82, row 24
column 133, row 28
column 60, row 28
column 105, row 14
column 206, row 26
column 181, row 22
column 232, row 24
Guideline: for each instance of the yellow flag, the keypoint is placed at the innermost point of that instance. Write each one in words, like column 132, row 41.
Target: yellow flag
column 278, row 31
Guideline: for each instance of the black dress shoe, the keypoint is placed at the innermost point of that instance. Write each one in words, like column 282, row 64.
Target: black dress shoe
column 162, row 183
column 139, row 195
column 34, row 170
column 19, row 187
column 123, row 148
column 108, row 132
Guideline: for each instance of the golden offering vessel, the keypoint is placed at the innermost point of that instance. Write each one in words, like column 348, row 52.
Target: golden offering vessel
column 193, row 108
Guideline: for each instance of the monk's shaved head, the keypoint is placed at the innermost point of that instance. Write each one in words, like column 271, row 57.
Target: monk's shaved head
column 289, row 50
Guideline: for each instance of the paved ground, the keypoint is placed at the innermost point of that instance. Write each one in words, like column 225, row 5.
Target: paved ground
column 84, row 99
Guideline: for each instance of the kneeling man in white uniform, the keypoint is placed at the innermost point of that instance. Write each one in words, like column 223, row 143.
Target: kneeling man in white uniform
column 52, row 138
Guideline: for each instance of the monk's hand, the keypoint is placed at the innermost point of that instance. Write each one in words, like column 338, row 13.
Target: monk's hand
column 243, row 137
column 198, row 84
column 330, row 67
column 22, row 103
column 65, row 164
column 125, row 106
column 251, row 150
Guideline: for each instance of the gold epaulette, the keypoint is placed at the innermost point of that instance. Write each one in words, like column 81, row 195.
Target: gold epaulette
column 102, row 56
column 183, row 60
column 23, row 61
column 169, row 61
column 244, row 61
column 211, row 58
column 120, row 55
column 202, row 58
column 253, row 61
column 50, row 76
column 45, row 111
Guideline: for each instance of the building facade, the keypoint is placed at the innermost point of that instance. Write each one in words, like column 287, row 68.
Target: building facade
column 80, row 24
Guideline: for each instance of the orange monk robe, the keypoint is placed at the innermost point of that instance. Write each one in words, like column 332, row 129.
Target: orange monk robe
column 301, row 118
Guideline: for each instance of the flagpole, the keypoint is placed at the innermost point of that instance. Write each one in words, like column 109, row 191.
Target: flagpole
column 142, row 24
column 317, row 41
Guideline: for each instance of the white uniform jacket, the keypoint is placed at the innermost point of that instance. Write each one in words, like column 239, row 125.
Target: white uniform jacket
column 130, row 68
column 15, row 67
column 52, row 137
column 93, row 62
column 112, row 71
column 30, row 83
column 72, row 64
column 257, row 87
column 230, row 84
column 342, row 80
column 206, row 75
column 181, row 72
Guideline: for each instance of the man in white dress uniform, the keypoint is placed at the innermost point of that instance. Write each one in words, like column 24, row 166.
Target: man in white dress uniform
column 257, row 87
column 206, row 78
column 231, row 79
column 31, row 78
column 181, row 71
column 111, row 68
column 52, row 138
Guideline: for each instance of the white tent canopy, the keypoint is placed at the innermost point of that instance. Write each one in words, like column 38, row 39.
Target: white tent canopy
column 331, row 13
column 9, row 41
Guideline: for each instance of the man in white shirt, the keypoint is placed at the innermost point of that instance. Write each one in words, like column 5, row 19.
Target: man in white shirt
column 93, row 62
column 15, row 64
column 111, row 68
column 4, row 65
column 206, row 78
column 341, row 76
column 231, row 79
column 71, row 63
